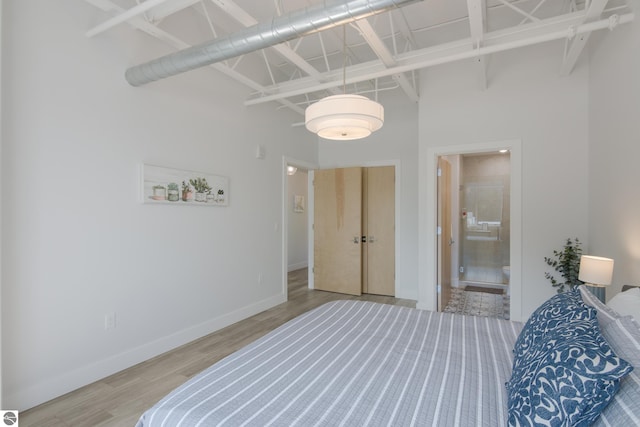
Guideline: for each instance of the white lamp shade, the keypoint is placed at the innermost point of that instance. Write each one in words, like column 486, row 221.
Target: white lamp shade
column 595, row 270
column 344, row 117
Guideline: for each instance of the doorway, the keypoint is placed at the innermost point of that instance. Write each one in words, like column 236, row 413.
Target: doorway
column 485, row 233
column 297, row 227
column 506, row 280
column 473, row 256
column 296, row 217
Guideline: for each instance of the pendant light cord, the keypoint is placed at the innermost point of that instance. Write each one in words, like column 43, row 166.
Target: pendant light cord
column 344, row 61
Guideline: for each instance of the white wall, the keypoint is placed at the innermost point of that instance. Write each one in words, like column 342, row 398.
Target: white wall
column 614, row 128
column 297, row 236
column 396, row 140
column 526, row 100
column 77, row 244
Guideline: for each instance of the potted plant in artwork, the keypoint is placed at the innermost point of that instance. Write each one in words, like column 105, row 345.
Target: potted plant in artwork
column 220, row 196
column 159, row 192
column 201, row 187
column 567, row 263
column 187, row 194
column 173, row 192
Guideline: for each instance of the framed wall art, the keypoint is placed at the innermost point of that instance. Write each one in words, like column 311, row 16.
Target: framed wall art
column 298, row 203
column 162, row 185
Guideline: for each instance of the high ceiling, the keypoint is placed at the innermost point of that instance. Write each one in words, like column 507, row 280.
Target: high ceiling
column 370, row 55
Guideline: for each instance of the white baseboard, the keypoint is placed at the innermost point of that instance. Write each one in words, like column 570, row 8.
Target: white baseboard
column 297, row 266
column 50, row 388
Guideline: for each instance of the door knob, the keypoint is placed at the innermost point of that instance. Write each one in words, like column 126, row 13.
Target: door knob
column 372, row 239
column 356, row 240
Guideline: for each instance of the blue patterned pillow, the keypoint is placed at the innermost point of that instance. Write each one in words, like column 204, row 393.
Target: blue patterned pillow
column 567, row 378
column 557, row 311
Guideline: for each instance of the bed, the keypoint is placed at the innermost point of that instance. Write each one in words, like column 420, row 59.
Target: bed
column 356, row 363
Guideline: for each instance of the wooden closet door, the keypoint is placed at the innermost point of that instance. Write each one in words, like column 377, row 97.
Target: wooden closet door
column 379, row 224
column 337, row 230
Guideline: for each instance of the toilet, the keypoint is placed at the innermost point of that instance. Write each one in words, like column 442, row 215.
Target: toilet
column 506, row 270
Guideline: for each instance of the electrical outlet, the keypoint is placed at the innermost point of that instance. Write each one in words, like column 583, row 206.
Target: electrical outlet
column 109, row 321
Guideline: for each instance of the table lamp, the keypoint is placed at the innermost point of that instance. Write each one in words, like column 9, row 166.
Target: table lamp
column 596, row 273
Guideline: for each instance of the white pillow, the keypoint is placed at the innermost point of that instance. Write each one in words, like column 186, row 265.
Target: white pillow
column 627, row 303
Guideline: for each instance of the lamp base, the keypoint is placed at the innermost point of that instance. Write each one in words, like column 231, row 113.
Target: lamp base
column 598, row 291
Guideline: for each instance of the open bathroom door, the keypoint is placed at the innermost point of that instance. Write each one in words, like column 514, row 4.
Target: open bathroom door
column 445, row 237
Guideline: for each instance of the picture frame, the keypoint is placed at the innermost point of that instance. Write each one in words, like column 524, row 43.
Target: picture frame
column 169, row 186
column 298, row 204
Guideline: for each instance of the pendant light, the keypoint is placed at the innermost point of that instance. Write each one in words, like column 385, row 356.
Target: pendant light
column 344, row 117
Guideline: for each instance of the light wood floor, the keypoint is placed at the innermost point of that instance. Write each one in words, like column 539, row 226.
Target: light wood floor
column 120, row 399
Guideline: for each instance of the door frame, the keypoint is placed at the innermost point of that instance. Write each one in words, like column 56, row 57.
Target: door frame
column 310, row 206
column 427, row 227
column 309, row 167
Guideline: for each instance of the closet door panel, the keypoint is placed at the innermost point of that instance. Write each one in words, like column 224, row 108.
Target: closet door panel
column 380, row 230
column 337, row 230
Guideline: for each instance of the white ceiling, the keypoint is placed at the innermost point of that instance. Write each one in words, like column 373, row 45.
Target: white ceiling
column 382, row 52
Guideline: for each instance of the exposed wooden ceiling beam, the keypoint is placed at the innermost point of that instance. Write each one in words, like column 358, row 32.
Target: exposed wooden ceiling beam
column 556, row 28
column 240, row 15
column 513, row 7
column 401, row 21
column 175, row 42
column 574, row 26
column 124, row 16
column 477, row 10
column 167, row 9
column 580, row 40
column 381, row 50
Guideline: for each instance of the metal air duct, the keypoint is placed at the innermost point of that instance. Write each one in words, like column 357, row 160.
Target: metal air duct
column 281, row 29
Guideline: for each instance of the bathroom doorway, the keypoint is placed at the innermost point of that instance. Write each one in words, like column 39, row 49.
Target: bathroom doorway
column 485, row 219
column 480, row 229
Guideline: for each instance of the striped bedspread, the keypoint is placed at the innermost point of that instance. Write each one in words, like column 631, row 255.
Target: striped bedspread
column 354, row 363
